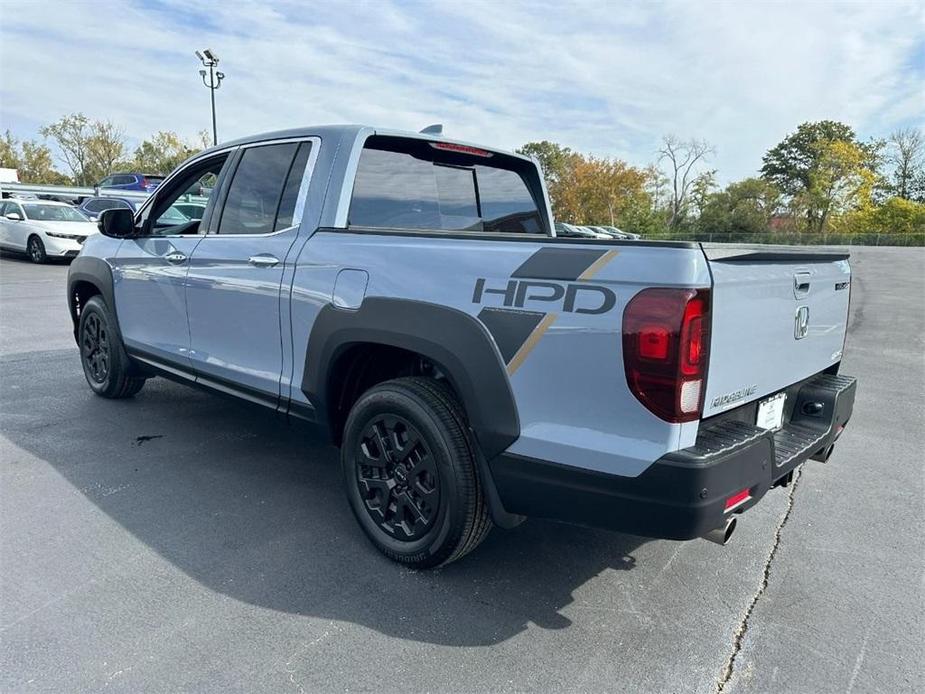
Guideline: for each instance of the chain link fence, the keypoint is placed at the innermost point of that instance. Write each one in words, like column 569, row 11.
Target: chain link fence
column 797, row 238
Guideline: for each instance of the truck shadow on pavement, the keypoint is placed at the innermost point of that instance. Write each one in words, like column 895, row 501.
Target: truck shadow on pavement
column 253, row 508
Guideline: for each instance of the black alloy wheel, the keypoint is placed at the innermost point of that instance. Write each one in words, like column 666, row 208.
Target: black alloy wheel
column 397, row 478
column 109, row 372
column 94, row 348
column 410, row 471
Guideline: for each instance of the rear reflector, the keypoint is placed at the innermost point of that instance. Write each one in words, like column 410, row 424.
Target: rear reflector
column 464, row 149
column 737, row 499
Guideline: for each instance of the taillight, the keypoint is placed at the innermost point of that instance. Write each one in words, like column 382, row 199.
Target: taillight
column 666, row 345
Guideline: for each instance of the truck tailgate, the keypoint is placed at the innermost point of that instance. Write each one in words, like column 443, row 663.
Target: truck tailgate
column 779, row 316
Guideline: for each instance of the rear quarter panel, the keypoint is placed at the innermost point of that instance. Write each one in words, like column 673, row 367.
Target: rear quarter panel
column 570, row 389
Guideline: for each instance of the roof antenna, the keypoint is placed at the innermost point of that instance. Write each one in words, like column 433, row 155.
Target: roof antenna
column 435, row 129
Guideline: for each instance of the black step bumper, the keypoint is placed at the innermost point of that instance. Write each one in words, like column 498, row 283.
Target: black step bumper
column 684, row 494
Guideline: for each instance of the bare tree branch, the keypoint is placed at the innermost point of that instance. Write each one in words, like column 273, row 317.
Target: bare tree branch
column 682, row 157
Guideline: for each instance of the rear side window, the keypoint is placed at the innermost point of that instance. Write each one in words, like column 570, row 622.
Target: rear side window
column 287, row 203
column 411, row 184
column 256, row 189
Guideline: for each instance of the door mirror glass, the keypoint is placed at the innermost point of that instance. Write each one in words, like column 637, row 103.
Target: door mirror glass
column 118, row 223
column 13, row 216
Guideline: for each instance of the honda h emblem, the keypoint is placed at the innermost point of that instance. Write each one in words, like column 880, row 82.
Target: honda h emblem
column 801, row 323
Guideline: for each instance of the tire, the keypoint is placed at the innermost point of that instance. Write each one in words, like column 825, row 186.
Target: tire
column 106, row 365
column 410, row 473
column 36, row 250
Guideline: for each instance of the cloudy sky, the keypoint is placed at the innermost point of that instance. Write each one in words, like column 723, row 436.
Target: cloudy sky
column 601, row 76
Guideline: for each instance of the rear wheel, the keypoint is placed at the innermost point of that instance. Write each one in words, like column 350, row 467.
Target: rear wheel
column 105, row 363
column 36, row 250
column 410, row 473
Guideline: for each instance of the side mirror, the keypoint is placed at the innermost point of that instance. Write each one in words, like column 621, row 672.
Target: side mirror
column 13, row 216
column 117, row 223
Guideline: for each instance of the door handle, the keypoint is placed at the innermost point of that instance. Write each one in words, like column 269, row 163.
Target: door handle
column 175, row 258
column 801, row 284
column 263, row 260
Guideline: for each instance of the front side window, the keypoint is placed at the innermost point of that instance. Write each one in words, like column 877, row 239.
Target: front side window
column 256, row 190
column 415, row 184
column 164, row 210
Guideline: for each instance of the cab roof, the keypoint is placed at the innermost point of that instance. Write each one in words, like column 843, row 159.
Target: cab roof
column 354, row 131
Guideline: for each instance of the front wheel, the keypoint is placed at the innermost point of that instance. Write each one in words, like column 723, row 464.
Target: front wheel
column 411, row 475
column 105, row 363
column 36, row 250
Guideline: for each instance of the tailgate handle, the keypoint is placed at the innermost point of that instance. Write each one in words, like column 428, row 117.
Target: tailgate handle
column 801, row 284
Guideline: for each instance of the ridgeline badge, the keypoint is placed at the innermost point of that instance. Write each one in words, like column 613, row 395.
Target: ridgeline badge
column 734, row 396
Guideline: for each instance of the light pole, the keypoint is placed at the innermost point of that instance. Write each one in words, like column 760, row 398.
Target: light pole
column 210, row 60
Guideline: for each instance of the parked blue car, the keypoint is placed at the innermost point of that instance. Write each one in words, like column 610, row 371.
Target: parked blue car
column 94, row 207
column 131, row 181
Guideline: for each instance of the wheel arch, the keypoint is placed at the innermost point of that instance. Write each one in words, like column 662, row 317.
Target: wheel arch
column 86, row 278
column 457, row 344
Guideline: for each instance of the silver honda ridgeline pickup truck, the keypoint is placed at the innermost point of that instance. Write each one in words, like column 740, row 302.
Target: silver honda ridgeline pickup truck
column 407, row 294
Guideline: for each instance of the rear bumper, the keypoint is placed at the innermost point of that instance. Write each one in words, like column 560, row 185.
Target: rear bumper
column 683, row 495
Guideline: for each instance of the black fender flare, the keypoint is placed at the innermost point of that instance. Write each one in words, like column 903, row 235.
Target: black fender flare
column 454, row 341
column 93, row 271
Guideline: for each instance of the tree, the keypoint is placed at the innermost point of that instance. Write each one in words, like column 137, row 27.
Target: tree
column 789, row 163
column 702, row 187
column 906, row 153
column 744, row 207
column 555, row 162
column 841, row 180
column 31, row 159
column 107, row 146
column 9, row 155
column 88, row 148
column 162, row 153
column 596, row 190
column 37, row 165
column 824, row 170
column 681, row 157
column 895, row 216
column 553, row 158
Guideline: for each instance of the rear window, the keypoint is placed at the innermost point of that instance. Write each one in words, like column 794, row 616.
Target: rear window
column 410, row 184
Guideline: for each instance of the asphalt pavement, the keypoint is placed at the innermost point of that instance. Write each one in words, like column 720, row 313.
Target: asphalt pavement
column 180, row 541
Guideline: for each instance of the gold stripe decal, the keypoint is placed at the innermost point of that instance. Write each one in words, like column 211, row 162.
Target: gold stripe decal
column 530, row 343
column 597, row 265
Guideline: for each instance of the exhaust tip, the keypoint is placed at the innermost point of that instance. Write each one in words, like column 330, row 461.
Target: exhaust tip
column 723, row 533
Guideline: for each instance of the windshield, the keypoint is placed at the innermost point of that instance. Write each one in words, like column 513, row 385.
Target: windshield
column 53, row 213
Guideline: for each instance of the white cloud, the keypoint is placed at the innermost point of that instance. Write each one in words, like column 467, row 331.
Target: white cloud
column 604, row 77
